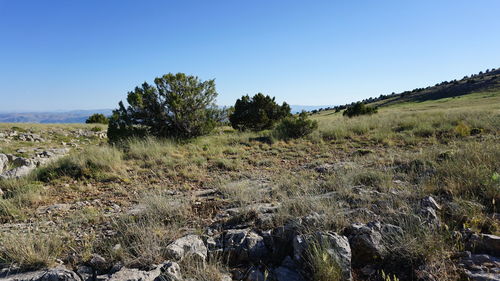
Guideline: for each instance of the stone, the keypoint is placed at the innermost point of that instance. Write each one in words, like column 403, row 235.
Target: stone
column 188, row 246
column 134, row 274
column 324, row 168
column 53, row 208
column 490, row 244
column 335, row 245
column 430, row 216
column 429, row 201
column 3, row 162
column 53, row 274
column 481, row 267
column 17, row 172
column 255, row 275
column 85, row 272
column 98, row 263
column 288, row 271
column 170, row 271
column 366, row 243
column 21, row 161
column 243, row 245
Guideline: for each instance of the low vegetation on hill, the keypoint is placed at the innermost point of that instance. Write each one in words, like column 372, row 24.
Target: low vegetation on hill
column 409, row 193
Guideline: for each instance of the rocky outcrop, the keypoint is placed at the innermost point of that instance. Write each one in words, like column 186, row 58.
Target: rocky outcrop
column 189, row 246
column 243, row 245
column 24, row 166
column 54, row 274
column 367, row 241
column 336, row 246
column 483, row 244
column 480, row 267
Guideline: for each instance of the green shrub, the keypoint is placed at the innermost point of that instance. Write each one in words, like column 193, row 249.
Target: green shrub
column 295, row 127
column 359, row 109
column 257, row 113
column 97, row 118
column 178, row 106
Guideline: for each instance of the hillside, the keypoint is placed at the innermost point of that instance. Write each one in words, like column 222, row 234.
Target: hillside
column 409, row 193
column 482, row 82
column 488, row 81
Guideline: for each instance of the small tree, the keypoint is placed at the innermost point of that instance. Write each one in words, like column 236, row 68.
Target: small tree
column 257, row 113
column 295, row 127
column 359, row 109
column 97, row 118
column 177, row 105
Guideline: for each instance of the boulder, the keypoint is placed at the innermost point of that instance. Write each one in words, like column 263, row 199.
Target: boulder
column 188, row 246
column 288, row 271
column 243, row 245
column 484, row 244
column 336, row 246
column 366, row 243
column 17, row 172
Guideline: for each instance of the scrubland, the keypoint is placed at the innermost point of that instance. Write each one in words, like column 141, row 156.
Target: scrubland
column 127, row 202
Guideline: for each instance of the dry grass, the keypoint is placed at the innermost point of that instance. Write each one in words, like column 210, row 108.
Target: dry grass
column 392, row 158
column 31, row 250
column 142, row 236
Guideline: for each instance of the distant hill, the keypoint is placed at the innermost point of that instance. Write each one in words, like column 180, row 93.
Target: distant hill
column 486, row 81
column 481, row 82
column 299, row 108
column 79, row 116
column 74, row 116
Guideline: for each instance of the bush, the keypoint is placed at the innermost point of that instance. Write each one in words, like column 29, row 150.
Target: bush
column 257, row 113
column 295, row 127
column 178, row 106
column 359, row 109
column 97, row 118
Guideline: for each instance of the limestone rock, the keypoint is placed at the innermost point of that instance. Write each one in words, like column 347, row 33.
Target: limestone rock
column 170, row 271
column 336, row 246
column 187, row 246
column 17, row 172
column 133, row 274
column 243, row 245
column 3, row 162
column 429, row 201
column 53, row 274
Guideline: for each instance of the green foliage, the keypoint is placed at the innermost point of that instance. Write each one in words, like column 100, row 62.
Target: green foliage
column 295, row 127
column 97, row 118
column 359, row 109
column 177, row 105
column 257, row 113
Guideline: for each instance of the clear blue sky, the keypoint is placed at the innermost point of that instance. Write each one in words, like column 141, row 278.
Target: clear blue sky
column 86, row 54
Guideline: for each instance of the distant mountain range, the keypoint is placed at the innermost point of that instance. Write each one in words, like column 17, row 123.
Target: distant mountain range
column 74, row 116
column 79, row 116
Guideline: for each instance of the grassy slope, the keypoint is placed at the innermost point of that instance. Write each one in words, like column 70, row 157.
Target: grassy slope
column 374, row 152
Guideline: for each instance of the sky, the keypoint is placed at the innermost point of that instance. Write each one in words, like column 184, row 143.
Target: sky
column 87, row 54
